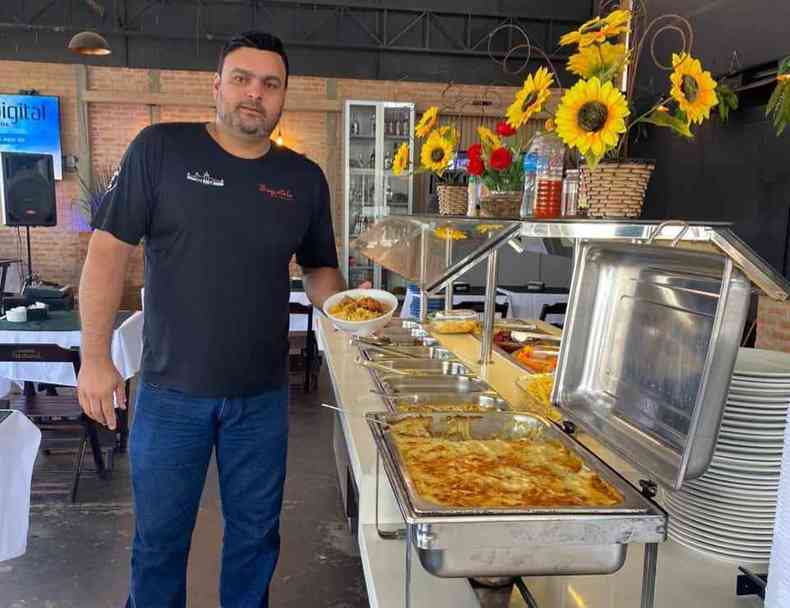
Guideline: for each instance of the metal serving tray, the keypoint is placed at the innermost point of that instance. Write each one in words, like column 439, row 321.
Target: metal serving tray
column 398, row 336
column 649, row 345
column 460, row 542
column 427, row 366
column 492, row 403
column 427, row 352
column 402, row 323
column 432, row 384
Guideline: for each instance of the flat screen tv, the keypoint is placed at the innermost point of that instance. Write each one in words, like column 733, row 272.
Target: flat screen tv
column 31, row 123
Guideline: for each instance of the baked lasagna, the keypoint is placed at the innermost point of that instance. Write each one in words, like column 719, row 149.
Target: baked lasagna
column 456, row 470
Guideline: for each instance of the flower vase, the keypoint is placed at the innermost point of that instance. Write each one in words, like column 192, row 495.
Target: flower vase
column 614, row 189
column 496, row 203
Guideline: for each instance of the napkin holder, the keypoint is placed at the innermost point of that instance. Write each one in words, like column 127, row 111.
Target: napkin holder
column 38, row 312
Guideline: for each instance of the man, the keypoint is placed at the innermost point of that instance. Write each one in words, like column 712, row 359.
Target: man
column 222, row 211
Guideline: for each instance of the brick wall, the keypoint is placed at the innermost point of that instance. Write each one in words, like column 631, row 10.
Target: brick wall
column 59, row 252
column 773, row 325
column 55, row 251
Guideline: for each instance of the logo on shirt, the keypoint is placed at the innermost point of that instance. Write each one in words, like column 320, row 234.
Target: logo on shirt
column 205, row 179
column 282, row 194
column 113, row 180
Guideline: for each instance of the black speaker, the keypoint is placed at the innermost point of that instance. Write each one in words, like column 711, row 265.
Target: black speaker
column 28, row 189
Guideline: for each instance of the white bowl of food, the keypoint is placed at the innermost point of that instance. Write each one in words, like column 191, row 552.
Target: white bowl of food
column 360, row 311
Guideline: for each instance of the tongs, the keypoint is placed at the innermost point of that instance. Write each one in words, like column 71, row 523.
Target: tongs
column 523, row 336
column 355, row 415
column 387, row 350
column 382, row 368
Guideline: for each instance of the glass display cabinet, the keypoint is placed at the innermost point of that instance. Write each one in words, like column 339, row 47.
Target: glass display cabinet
column 373, row 132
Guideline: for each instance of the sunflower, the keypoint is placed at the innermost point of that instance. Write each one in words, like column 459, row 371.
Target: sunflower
column 488, row 138
column 692, row 87
column 530, row 99
column 601, row 60
column 591, row 117
column 427, row 122
column 401, row 161
column 450, row 133
column 598, row 29
column 436, row 153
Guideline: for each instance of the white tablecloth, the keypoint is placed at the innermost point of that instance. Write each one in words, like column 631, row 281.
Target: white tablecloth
column 457, row 297
column 127, row 349
column 528, row 305
column 299, row 322
column 19, row 441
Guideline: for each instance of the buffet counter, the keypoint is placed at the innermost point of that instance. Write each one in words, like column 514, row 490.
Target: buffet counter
column 685, row 578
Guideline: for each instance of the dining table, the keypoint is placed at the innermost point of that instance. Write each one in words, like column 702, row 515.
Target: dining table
column 62, row 327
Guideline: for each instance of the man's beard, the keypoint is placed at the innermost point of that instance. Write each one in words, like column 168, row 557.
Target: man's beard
column 260, row 128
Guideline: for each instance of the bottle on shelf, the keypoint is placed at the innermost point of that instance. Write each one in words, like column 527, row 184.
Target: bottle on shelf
column 550, row 165
column 529, row 165
column 405, row 125
column 373, row 125
column 387, row 161
column 473, row 196
column 570, row 193
column 355, row 127
column 372, row 161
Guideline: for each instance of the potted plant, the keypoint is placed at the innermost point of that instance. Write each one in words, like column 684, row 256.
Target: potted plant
column 92, row 194
column 438, row 151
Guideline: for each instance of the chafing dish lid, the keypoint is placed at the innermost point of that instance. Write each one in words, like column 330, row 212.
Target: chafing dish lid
column 650, row 341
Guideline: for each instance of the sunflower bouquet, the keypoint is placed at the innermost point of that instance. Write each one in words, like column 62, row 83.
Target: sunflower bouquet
column 594, row 114
column 438, row 150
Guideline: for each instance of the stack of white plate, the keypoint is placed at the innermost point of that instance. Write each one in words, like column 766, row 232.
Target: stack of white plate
column 729, row 511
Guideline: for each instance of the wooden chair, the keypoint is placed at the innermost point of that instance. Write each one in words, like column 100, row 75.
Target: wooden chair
column 309, row 358
column 60, row 417
column 560, row 308
column 500, row 308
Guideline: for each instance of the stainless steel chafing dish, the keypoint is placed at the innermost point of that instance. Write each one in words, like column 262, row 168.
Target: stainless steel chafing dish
column 456, row 542
column 426, row 366
column 432, row 384
column 650, row 341
column 485, row 401
column 427, row 352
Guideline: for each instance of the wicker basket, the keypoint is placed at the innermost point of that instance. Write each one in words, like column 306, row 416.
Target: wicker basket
column 615, row 189
column 500, row 204
column 453, row 200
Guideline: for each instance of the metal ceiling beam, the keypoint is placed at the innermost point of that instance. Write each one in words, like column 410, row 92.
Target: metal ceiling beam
column 347, row 25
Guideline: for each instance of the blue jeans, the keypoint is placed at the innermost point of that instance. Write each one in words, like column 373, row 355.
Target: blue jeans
column 170, row 445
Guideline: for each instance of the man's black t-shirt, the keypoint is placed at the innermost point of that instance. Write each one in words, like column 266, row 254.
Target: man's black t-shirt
column 219, row 233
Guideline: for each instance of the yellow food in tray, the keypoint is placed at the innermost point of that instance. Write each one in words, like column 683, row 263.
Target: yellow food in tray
column 457, row 471
column 361, row 309
column 453, row 326
column 539, row 386
column 460, row 321
column 537, row 398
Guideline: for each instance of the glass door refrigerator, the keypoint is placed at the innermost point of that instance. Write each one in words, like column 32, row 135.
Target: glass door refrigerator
column 374, row 130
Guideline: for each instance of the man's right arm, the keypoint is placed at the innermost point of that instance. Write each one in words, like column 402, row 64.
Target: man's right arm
column 101, row 288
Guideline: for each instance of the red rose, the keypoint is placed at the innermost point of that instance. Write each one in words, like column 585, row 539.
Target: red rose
column 504, row 129
column 501, row 159
column 474, row 151
column 475, row 166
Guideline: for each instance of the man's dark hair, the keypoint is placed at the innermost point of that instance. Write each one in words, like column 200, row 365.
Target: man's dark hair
column 262, row 41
